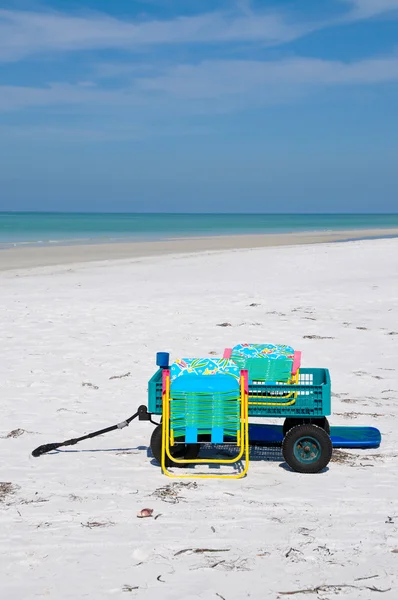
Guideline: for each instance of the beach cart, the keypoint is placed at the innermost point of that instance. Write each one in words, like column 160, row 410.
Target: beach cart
column 205, row 405
column 207, row 402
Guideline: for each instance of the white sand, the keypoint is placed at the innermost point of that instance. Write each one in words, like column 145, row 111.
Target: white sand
column 50, row 255
column 284, row 532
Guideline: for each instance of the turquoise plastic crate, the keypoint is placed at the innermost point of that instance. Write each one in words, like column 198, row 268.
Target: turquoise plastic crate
column 155, row 393
column 313, row 396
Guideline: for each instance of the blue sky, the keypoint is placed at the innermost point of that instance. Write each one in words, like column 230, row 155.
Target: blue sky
column 199, row 105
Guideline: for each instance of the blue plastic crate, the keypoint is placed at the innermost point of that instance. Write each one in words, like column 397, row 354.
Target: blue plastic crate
column 155, row 393
column 309, row 398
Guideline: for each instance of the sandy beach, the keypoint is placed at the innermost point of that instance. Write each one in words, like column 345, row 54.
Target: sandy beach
column 79, row 340
column 29, row 256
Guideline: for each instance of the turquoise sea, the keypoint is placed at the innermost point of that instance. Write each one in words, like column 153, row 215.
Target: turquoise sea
column 70, row 228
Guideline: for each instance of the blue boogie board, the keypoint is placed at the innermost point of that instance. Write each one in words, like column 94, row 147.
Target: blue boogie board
column 342, row 437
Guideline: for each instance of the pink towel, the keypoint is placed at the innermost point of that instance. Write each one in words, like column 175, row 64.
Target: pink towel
column 296, row 362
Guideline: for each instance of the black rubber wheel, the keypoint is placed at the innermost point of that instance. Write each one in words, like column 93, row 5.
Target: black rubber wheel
column 307, row 448
column 319, row 421
column 188, row 451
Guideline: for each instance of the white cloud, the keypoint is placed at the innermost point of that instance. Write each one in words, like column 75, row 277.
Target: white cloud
column 207, row 87
column 102, row 132
column 219, row 78
column 17, row 97
column 364, row 9
column 171, row 93
column 26, row 33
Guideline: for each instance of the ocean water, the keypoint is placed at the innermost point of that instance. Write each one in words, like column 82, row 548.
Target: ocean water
column 69, row 228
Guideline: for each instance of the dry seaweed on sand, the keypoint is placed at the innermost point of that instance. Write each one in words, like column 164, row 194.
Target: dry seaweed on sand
column 90, row 385
column 318, row 337
column 7, row 489
column 170, row 493
column 120, row 376
column 94, row 524
column 201, row 550
column 15, row 433
column 334, row 588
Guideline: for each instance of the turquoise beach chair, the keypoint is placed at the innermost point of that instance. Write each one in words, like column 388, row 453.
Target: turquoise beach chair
column 205, row 399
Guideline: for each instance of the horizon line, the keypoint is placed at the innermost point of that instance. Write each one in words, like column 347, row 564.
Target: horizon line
column 93, row 212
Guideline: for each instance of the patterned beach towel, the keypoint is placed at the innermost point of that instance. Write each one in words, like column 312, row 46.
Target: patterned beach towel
column 265, row 362
column 203, row 366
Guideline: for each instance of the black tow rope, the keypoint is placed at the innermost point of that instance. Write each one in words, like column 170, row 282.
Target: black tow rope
column 142, row 413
